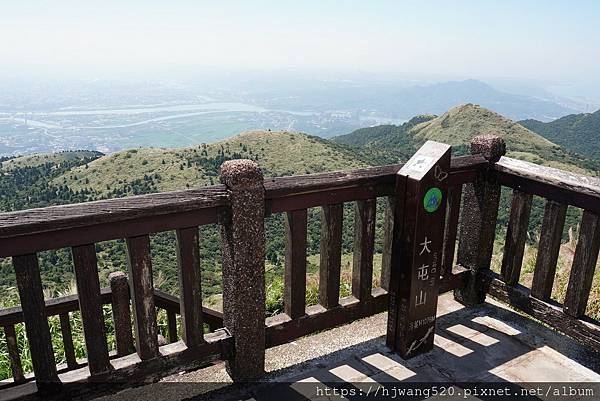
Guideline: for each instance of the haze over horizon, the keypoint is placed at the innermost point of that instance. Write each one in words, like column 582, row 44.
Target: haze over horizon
column 552, row 42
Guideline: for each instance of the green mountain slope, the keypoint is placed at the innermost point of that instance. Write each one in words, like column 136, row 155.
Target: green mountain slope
column 577, row 132
column 53, row 158
column 140, row 170
column 457, row 127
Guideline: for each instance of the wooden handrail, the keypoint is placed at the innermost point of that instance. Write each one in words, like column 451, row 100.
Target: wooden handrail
column 559, row 188
column 70, row 303
column 550, row 183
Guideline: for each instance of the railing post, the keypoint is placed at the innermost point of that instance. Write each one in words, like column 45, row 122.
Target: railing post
column 243, row 248
column 121, row 313
column 419, row 218
column 478, row 221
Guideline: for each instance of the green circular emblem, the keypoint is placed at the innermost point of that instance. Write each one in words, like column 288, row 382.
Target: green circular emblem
column 432, row 199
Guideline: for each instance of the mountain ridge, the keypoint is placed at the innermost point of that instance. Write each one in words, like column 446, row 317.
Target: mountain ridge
column 578, row 132
column 457, row 127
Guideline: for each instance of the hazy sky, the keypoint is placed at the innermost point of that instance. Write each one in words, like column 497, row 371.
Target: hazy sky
column 556, row 40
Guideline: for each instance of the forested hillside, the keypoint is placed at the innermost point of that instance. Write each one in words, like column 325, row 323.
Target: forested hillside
column 577, row 132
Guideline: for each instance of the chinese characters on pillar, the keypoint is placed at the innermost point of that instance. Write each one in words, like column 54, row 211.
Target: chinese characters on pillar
column 418, row 241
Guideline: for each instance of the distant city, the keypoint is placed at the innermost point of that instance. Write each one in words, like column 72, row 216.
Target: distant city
column 109, row 116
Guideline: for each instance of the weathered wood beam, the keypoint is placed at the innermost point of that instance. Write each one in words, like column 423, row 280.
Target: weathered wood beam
column 516, row 236
column 31, row 294
column 13, row 354
column 451, row 229
column 388, row 238
column 364, row 243
column 90, row 305
column 550, row 183
column 584, row 264
column 142, row 296
column 190, row 287
column 551, row 232
column 585, row 331
column 294, row 299
column 331, row 255
column 67, row 337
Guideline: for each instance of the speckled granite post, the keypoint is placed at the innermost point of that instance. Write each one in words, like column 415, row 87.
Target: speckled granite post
column 121, row 313
column 243, row 248
column 478, row 221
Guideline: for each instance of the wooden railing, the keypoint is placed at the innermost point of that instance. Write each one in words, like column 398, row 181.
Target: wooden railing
column 117, row 295
column 239, row 206
column 80, row 226
column 560, row 189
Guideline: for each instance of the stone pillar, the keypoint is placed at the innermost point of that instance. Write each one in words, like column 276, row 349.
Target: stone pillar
column 121, row 313
column 478, row 221
column 243, row 248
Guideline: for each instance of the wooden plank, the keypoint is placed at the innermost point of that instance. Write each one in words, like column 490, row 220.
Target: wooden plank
column 550, row 183
column 56, row 218
column 90, row 305
column 294, row 299
column 364, row 242
column 121, row 313
column 331, row 255
column 584, row 330
column 54, row 306
column 168, row 302
column 326, row 197
column 172, row 326
column 305, row 191
column 281, row 329
column 516, row 235
column 67, row 337
column 188, row 260
column 388, row 237
column 553, row 224
column 584, row 264
column 451, row 229
column 379, row 175
column 13, row 354
column 142, row 296
column 31, row 294
column 105, row 231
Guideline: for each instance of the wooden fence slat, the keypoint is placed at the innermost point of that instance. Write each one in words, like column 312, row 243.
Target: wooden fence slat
column 364, row 243
column 451, row 229
column 142, row 296
column 584, row 263
column 31, row 294
column 188, row 260
column 553, row 224
column 67, row 337
column 121, row 313
column 516, row 235
column 295, row 263
column 388, row 238
column 90, row 305
column 331, row 255
column 172, row 326
column 13, row 353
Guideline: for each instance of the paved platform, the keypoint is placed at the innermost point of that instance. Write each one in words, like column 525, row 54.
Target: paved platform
column 487, row 344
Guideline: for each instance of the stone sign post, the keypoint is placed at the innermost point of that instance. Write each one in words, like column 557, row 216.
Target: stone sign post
column 420, row 210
